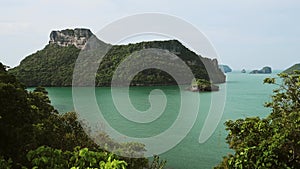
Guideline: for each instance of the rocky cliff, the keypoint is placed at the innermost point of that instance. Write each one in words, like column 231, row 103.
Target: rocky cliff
column 77, row 37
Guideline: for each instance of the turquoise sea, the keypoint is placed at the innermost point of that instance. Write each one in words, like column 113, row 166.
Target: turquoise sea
column 245, row 96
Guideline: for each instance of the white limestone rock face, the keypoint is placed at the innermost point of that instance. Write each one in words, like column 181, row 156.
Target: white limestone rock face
column 77, row 37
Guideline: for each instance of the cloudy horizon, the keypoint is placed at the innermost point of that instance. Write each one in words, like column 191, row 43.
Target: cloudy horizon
column 246, row 35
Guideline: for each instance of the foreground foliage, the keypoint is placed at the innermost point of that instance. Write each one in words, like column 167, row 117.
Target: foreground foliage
column 49, row 158
column 271, row 142
column 34, row 135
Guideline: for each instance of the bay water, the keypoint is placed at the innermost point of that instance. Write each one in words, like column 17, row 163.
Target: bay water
column 245, row 95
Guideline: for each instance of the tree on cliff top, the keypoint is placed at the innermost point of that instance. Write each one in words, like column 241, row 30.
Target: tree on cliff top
column 271, row 142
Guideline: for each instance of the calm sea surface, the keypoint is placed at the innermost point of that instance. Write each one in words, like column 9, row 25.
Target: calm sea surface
column 245, row 96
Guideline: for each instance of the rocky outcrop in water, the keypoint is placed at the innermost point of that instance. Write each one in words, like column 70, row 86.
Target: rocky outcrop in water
column 225, row 68
column 264, row 70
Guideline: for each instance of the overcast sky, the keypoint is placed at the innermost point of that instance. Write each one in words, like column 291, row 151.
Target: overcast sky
column 247, row 35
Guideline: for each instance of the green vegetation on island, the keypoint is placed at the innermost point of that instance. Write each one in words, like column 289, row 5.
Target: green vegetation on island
column 201, row 85
column 35, row 135
column 53, row 65
column 271, row 142
column 292, row 69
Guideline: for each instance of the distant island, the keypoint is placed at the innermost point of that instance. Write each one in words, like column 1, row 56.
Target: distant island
column 225, row 68
column 264, row 70
column 291, row 69
column 243, row 71
column 53, row 65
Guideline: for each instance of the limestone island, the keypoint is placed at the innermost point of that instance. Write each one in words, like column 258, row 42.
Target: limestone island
column 243, row 71
column 225, row 68
column 53, row 66
column 264, row 70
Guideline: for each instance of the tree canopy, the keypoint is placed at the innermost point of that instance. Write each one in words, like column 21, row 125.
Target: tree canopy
column 271, row 142
column 34, row 135
column 53, row 65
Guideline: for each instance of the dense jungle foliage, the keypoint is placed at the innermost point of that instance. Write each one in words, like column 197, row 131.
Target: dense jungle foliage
column 271, row 142
column 34, row 135
column 53, row 65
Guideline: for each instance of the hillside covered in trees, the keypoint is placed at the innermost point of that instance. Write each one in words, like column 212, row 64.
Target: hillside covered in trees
column 53, row 65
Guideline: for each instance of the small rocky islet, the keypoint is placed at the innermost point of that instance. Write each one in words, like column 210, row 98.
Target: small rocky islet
column 264, row 70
